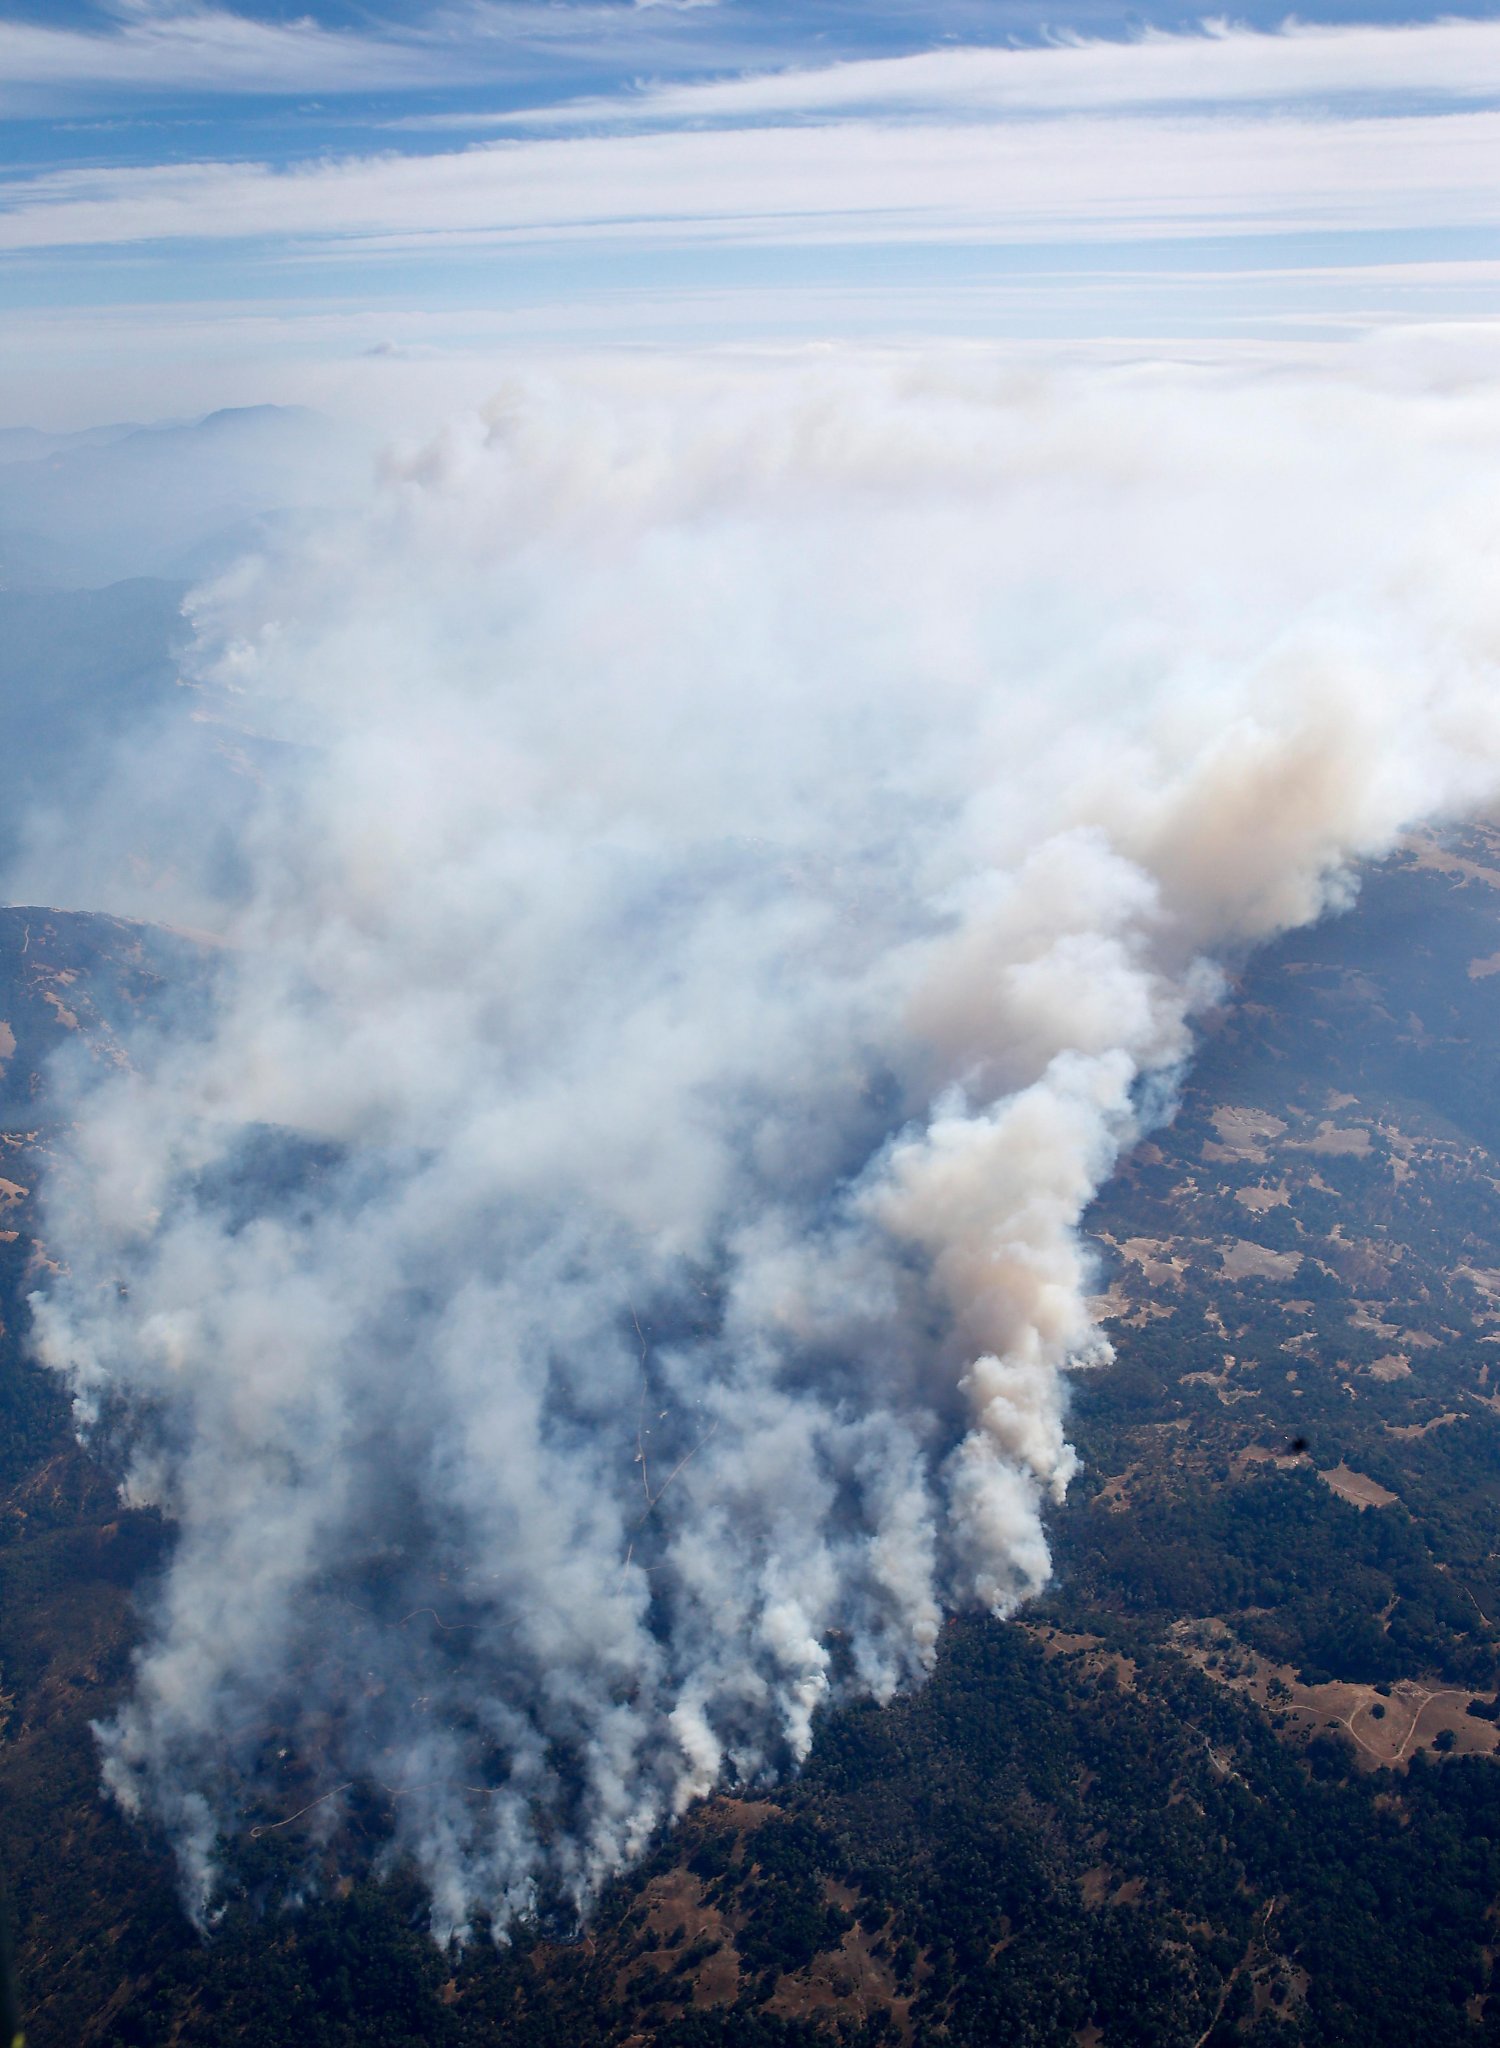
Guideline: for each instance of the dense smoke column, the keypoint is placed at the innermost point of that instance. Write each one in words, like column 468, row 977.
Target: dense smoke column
column 738, row 853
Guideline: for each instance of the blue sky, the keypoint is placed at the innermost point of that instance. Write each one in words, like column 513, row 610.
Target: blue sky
column 193, row 189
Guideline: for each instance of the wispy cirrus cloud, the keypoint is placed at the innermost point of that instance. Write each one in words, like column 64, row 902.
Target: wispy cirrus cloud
column 150, row 47
column 702, row 60
column 1101, row 179
column 1443, row 60
column 153, row 49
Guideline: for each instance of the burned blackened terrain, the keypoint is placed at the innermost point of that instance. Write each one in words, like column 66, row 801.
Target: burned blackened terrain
column 1236, row 1776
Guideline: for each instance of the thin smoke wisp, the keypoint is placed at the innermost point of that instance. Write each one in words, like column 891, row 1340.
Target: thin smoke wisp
column 741, row 853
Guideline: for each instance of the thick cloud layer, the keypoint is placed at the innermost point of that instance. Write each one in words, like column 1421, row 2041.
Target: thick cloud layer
column 602, row 1273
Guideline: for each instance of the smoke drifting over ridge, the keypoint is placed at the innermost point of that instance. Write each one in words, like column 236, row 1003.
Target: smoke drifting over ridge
column 751, row 847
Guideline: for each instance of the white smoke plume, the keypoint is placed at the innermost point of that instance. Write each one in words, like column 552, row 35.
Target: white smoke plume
column 600, row 1274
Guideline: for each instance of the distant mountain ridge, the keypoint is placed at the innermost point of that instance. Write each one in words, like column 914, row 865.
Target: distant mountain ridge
column 194, row 492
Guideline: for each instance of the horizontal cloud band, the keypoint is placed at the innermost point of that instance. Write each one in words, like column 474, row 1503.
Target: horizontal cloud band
column 1222, row 134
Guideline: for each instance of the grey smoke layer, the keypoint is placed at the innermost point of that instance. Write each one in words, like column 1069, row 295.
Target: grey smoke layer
column 603, row 1275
